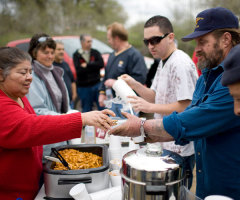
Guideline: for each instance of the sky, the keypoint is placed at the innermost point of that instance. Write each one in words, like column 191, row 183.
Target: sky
column 144, row 9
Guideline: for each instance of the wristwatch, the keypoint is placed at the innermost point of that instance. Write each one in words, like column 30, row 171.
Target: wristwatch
column 143, row 134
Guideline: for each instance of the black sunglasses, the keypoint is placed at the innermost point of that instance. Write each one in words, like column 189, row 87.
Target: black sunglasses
column 154, row 40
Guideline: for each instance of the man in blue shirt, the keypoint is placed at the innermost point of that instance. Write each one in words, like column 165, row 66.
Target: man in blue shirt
column 209, row 121
column 124, row 60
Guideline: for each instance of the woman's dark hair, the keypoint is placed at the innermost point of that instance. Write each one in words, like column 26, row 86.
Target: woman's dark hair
column 40, row 41
column 10, row 57
column 162, row 22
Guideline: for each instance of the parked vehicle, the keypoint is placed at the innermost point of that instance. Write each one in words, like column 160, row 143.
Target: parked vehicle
column 71, row 43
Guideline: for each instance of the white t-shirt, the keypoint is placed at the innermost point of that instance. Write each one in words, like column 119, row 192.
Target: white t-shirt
column 173, row 82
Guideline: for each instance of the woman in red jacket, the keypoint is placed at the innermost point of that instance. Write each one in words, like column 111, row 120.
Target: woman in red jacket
column 22, row 132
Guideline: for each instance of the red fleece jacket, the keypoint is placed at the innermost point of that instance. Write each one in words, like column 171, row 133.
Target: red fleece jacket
column 22, row 134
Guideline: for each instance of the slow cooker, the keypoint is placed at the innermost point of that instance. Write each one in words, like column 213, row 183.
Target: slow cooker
column 59, row 182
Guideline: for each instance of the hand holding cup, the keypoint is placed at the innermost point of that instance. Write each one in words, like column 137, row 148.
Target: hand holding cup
column 99, row 119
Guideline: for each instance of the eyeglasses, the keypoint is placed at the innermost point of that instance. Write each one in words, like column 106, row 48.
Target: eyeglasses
column 154, row 40
column 43, row 39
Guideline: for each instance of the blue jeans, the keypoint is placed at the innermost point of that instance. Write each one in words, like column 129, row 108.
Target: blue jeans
column 89, row 95
column 188, row 165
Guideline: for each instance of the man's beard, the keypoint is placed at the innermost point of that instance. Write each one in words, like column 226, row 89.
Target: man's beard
column 212, row 60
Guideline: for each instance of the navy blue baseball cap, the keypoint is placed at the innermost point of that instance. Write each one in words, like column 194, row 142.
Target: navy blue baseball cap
column 212, row 19
column 231, row 72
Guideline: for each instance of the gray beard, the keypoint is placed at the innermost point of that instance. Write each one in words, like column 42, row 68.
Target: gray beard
column 203, row 65
column 212, row 60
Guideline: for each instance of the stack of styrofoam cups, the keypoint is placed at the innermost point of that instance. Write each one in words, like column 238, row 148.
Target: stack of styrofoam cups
column 123, row 90
column 115, row 178
column 79, row 192
column 115, row 164
column 115, row 148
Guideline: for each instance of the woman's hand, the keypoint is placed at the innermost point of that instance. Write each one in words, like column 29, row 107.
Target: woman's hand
column 99, row 119
column 130, row 128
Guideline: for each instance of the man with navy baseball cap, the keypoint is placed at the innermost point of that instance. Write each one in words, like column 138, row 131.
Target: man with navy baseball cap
column 209, row 120
column 212, row 19
column 231, row 76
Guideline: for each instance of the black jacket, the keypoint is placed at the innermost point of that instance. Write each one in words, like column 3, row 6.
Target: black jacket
column 91, row 74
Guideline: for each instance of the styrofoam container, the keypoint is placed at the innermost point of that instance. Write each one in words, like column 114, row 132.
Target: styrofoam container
column 79, row 192
column 123, row 90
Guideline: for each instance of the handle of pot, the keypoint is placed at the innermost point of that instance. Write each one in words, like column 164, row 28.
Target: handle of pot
column 155, row 189
column 143, row 183
column 67, row 181
column 130, row 180
column 150, row 189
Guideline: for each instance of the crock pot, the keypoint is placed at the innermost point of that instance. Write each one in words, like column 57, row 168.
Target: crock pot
column 59, row 182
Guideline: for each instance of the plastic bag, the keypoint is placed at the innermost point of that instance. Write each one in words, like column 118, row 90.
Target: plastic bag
column 117, row 105
column 186, row 194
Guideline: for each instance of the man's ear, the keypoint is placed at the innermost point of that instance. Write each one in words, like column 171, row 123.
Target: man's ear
column 226, row 39
column 171, row 36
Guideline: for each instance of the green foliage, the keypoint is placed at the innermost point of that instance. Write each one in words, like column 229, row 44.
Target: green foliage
column 136, row 38
column 232, row 5
column 23, row 18
column 180, row 32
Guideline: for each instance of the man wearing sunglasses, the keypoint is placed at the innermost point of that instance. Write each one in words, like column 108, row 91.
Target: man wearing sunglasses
column 209, row 120
column 172, row 86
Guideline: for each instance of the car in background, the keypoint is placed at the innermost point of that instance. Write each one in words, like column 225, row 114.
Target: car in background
column 71, row 44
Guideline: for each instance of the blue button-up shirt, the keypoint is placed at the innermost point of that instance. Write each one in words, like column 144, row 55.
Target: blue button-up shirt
column 210, row 122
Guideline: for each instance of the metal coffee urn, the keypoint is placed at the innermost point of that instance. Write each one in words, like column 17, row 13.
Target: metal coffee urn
column 148, row 174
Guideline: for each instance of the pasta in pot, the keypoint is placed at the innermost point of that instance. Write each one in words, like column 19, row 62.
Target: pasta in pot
column 78, row 160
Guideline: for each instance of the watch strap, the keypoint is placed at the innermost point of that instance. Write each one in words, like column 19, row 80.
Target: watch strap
column 142, row 128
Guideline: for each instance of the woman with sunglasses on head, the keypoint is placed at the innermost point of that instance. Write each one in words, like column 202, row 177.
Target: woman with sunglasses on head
column 22, row 132
column 48, row 93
